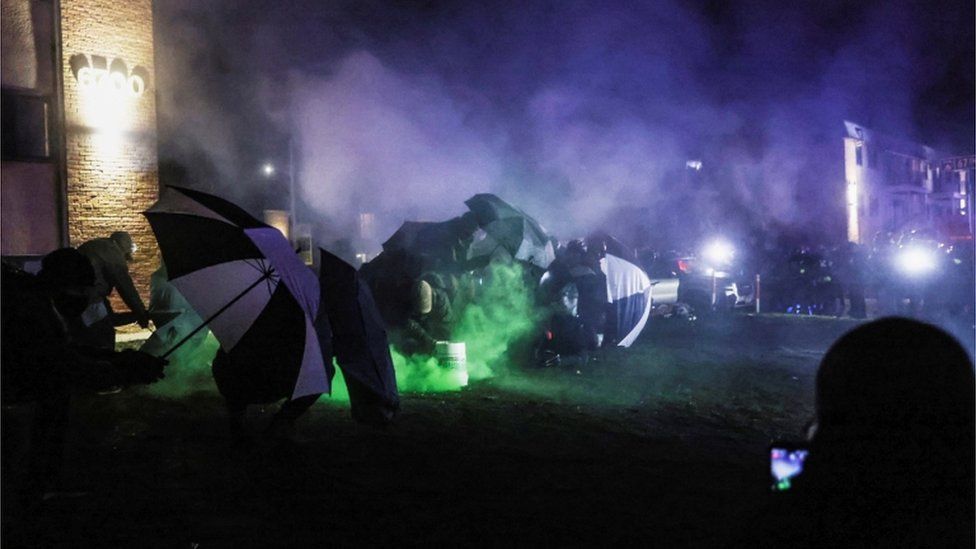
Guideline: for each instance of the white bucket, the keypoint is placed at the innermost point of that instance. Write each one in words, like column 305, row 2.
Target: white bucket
column 451, row 355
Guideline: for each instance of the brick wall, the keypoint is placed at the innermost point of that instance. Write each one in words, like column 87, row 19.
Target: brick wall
column 111, row 158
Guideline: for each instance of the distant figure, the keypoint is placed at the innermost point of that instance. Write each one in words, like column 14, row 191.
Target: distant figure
column 892, row 451
column 857, row 264
column 591, row 284
column 575, row 288
column 110, row 258
column 42, row 365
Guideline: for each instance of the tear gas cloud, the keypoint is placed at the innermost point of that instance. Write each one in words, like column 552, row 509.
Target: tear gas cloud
column 389, row 144
column 582, row 114
column 501, row 317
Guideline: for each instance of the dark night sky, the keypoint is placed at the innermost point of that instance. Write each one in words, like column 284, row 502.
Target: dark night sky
column 527, row 84
column 883, row 54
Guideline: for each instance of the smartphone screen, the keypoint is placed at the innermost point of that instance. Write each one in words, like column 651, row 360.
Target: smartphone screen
column 785, row 463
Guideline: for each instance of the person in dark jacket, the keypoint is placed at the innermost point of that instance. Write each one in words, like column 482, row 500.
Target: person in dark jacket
column 856, row 280
column 431, row 318
column 891, row 452
column 41, row 364
column 110, row 259
column 591, row 284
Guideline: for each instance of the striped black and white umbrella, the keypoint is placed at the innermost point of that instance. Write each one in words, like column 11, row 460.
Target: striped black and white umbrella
column 253, row 292
column 629, row 291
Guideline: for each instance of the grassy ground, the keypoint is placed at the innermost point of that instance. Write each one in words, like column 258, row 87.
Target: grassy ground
column 663, row 444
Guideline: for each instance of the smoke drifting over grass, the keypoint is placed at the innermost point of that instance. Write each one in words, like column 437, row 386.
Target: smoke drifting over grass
column 501, row 315
column 188, row 370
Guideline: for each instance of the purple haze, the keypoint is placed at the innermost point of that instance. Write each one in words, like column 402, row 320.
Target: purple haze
column 584, row 114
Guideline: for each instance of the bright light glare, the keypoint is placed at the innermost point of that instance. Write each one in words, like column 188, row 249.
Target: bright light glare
column 268, row 169
column 718, row 252
column 106, row 107
column 915, row 261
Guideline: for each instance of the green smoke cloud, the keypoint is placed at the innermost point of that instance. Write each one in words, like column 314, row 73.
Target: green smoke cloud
column 188, row 371
column 502, row 314
column 499, row 312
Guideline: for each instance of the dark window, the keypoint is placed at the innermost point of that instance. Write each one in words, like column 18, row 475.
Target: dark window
column 859, row 154
column 24, row 131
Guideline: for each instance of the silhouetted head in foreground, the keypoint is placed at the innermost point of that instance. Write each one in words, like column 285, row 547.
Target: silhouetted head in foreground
column 892, row 457
column 67, row 277
column 896, row 375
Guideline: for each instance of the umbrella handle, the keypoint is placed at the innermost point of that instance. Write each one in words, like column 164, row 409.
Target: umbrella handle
column 215, row 315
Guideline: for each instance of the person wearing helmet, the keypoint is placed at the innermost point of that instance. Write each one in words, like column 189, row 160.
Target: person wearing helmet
column 110, row 259
column 431, row 317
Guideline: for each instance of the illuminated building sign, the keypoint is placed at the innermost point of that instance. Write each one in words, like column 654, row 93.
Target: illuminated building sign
column 96, row 72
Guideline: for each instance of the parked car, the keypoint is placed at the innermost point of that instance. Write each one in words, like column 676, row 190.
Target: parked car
column 685, row 285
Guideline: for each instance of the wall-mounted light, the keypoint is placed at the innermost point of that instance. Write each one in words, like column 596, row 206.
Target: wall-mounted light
column 107, row 91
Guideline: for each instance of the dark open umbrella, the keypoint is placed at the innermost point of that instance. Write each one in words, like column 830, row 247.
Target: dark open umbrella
column 359, row 340
column 611, row 245
column 412, row 235
column 438, row 245
column 253, row 292
column 511, row 229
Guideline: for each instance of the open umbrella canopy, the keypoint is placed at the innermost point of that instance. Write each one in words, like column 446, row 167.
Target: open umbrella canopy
column 413, row 235
column 488, row 207
column 359, row 339
column 611, row 245
column 439, row 244
column 511, row 229
column 245, row 280
column 629, row 292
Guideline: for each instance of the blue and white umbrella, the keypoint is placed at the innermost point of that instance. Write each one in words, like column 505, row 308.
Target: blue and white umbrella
column 629, row 291
column 253, row 292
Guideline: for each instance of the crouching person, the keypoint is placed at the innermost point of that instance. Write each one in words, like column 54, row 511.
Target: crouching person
column 41, row 364
column 431, row 317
